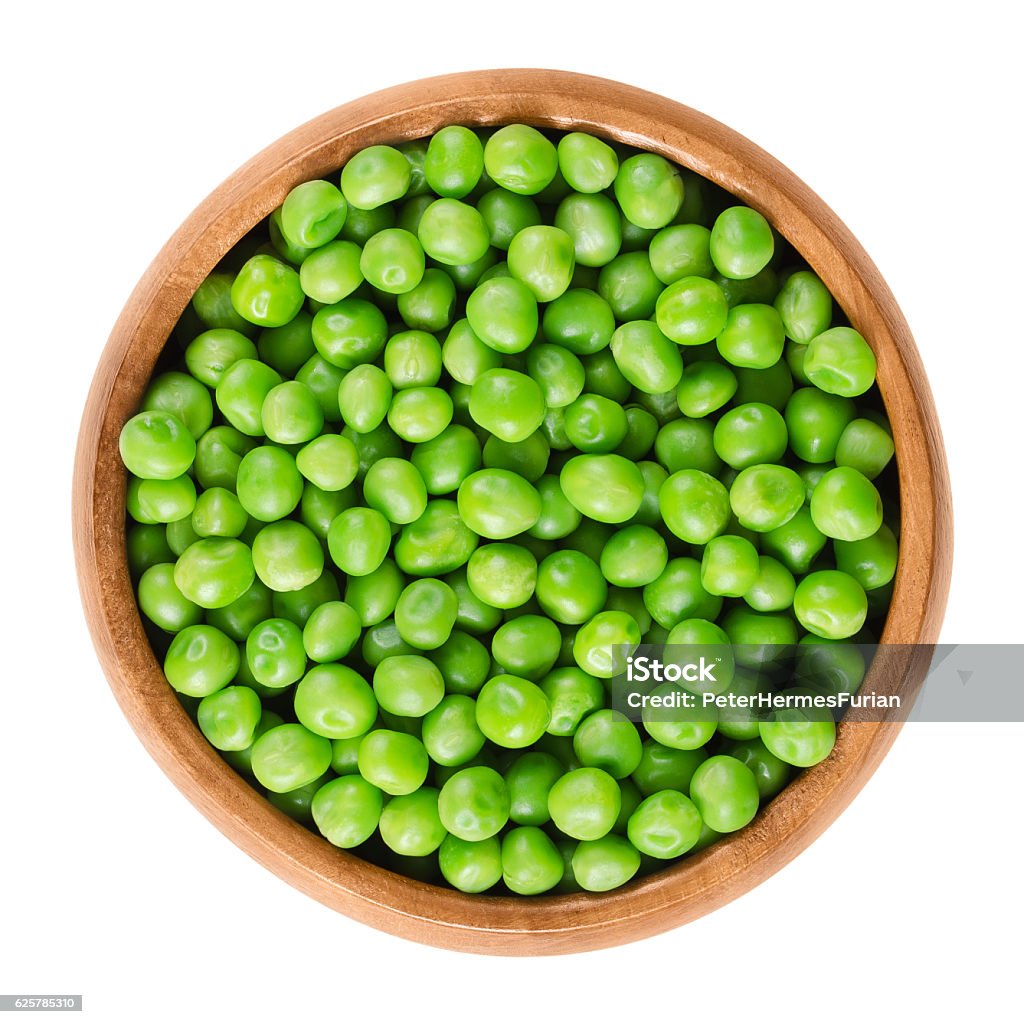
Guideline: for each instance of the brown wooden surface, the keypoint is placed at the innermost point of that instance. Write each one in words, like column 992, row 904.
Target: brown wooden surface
column 505, row 925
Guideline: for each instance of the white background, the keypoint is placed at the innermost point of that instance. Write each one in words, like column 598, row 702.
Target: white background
column 117, row 121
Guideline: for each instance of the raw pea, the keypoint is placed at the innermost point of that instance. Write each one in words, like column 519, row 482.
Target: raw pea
column 704, row 388
column 580, row 320
column 288, row 757
column 507, row 403
column 374, row 596
column 649, row 190
column 180, row 535
column 542, row 257
column 502, row 575
column 609, row 741
column 681, row 250
column 766, row 497
column 729, row 566
column 408, row 685
column 274, row 653
column 298, row 605
column 587, row 164
column 520, row 159
column 497, row 504
column 527, row 646
column 558, row 372
column 816, row 422
column 291, row 413
column 662, row 768
column 212, row 305
column 358, row 540
column 773, row 589
column 602, row 644
column 393, row 261
column 601, row 376
column 211, row 353
column 665, row 825
column 529, row 780
column 679, row 728
column 530, row 861
column 572, row 695
column 347, row 810
column 425, row 614
column 214, row 572
column 694, row 505
column 687, row 444
column 798, row 736
column 503, row 313
column 750, row 434
column 604, row 487
column 181, row 396
column 412, row 359
column 771, row 386
column 382, row 641
column 465, row 356
column 865, row 446
column 649, row 512
column 147, row 546
column 336, row 702
column 218, row 513
column 647, row 359
column 436, row 543
column 584, row 803
column 410, row 824
column 463, row 660
column 349, row 332
column 725, row 793
column 474, row 804
column 156, row 445
column 634, row 556
column 269, row 485
column 419, row 414
column 831, row 666
column 805, row 306
column 753, row 336
column 830, row 604
column 453, row 233
column 364, row 397
column 313, row 213
column 604, row 864
column 845, row 505
column 691, row 311
column 200, row 660
column 770, row 772
column 450, row 733
column 229, row 718
column 393, row 761
column 795, row 544
column 570, row 587
column 454, row 161
column 678, row 594
column 375, row 176
column 641, row 430
column 840, row 362
column 332, row 630
column 741, row 243
column 332, row 273
column 470, row 867
column 267, row 292
column 445, row 461
column 594, row 423
column 330, row 461
column 629, row 286
column 872, row 560
column 506, row 214
column 163, row 603
column 395, row 488
column 512, row 712
column 592, row 223
column 706, row 639
column 430, row 305
column 318, row 509
column 324, row 380
column 527, row 458
column 161, row 501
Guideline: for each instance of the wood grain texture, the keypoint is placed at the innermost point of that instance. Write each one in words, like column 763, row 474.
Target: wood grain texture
column 425, row 913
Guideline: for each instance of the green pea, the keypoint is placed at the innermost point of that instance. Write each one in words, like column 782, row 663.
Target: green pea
column 318, row 508
column 527, row 458
column 467, row 276
column 678, row 594
column 572, row 694
column 163, row 603
column 846, row 506
column 212, row 352
column 692, row 311
column 530, row 861
column 604, row 487
column 393, row 260
column 287, row 556
column 816, row 422
column 242, row 390
column 454, row 161
column 641, row 430
column 773, row 589
column 634, row 557
column 608, row 740
column 584, row 803
column 298, row 605
column 331, row 631
column 666, row 825
column 395, row 488
column 681, row 250
column 436, row 543
column 180, row 535
column 830, row 666
column 682, row 727
column 592, row 224
column 330, row 461
column 770, row 386
column 647, row 359
column 324, row 380
column 496, row 504
column 587, row 164
column 425, row 614
column 267, row 292
column 580, row 320
column 275, row 654
column 453, row 233
column 570, row 587
column 470, row 867
column 766, row 497
column 840, row 362
column 629, row 286
column 753, row 336
column 527, row 646
column 183, row 397
column 212, row 305
column 512, row 712
column 830, row 604
column 393, row 761
column 288, row 757
column 313, row 213
column 445, row 461
column 795, row 355
column 336, row 702
column 529, row 781
column 865, row 446
column 694, row 505
column 156, row 445
column 729, row 566
column 507, row 403
column 430, row 305
column 465, row 356
column 649, row 189
column 797, row 543
column 358, row 540
column 542, row 258
column 805, row 306
column 291, row 413
column 450, row 733
column 725, row 793
column 374, row 596
column 374, row 176
column 419, row 414
column 218, row 513
column 506, row 214
column 520, row 159
column 214, row 572
column 770, row 772
column 464, row 662
column 602, row 644
column 229, row 718
column 364, row 398
column 408, row 685
column 872, row 560
column 382, row 641
column 349, row 332
column 332, row 273
column 704, row 388
column 594, row 423
column 474, row 804
column 663, row 768
column 269, row 485
column 604, row 864
column 347, row 810
column 742, row 243
column 799, row 736
column 503, row 313
column 161, row 501
column 751, row 434
column 410, row 824
column 703, row 638
column 200, row 660
column 687, row 444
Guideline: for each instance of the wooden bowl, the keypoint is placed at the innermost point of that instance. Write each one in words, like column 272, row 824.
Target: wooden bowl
column 414, row 910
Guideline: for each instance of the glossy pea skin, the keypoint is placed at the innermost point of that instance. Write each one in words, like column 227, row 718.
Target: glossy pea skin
column 694, row 506
column 503, row 313
column 163, row 603
column 395, row 488
column 288, row 757
column 474, row 804
column 872, row 560
column 682, row 727
column 463, row 660
column 605, row 487
column 692, row 311
column 161, row 501
column 830, row 666
column 393, row 761
column 330, row 461
column 530, row 861
column 156, row 445
column 570, row 587
column 242, row 390
column 267, row 292
column 527, row 646
column 331, row 631
column 212, row 304
column 453, row 233
column 629, row 286
column 375, row 176
column 269, row 486
column 796, row 543
column 703, row 638
column 865, row 446
column 663, row 768
column 753, row 336
column 580, row 320
column 741, row 243
column 609, row 741
column 445, row 461
column 332, row 273
column 634, row 556
column 358, row 540
column 667, row 824
column 587, row 164
column 275, row 654
column 313, row 213
column 845, row 505
column 678, row 594
column 770, row 772
column 454, row 162
column 410, row 824
column 430, row 305
column 816, row 422
column 649, row 190
column 830, row 604
column 805, row 306
column 497, row 504
column 799, row 737
column 770, row 386
column 765, row 497
column 681, row 250
column 641, row 430
column 512, row 712
column 520, row 159
column 412, row 359
column 218, row 513
column 725, row 793
column 584, row 803
column 687, row 444
column 729, row 566
column 647, row 359
column 529, row 780
column 425, row 614
column 592, row 223
column 527, row 458
column 229, row 718
column 507, row 403
column 773, row 588
column 506, row 214
column 350, row 332
column 595, row 424
column 470, row 867
column 704, row 388
column 393, row 261
column 436, row 543
column 147, row 546
column 542, row 257
column 374, row 595
column 181, row 396
column 200, row 660
column 336, row 702
column 572, row 694
column 450, row 733
column 465, row 356
column 209, row 354
column 750, row 434
column 602, row 643
column 604, row 864
column 291, row 413
column 840, row 362
column 214, row 572
column 347, row 810
column 419, row 414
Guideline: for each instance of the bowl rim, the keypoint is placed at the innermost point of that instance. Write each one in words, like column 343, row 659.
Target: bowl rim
column 396, row 904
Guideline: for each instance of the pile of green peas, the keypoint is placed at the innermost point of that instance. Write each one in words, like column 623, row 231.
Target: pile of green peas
column 436, row 439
